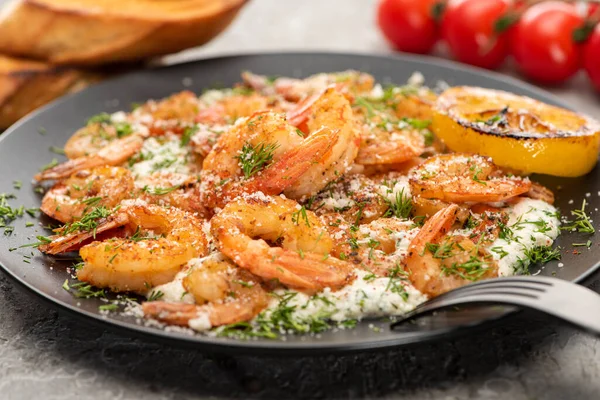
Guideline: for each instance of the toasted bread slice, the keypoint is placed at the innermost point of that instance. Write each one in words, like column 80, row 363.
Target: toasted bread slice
column 94, row 32
column 26, row 85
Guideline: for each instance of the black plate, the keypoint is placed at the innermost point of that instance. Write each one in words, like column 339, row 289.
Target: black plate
column 23, row 149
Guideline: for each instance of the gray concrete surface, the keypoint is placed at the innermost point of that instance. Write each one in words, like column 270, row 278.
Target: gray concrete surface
column 46, row 355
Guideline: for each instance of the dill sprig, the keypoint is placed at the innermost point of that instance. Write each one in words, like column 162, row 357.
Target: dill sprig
column 282, row 319
column 160, row 191
column 255, row 158
column 400, row 207
column 155, row 295
column 471, row 270
column 300, row 214
column 102, row 118
column 581, row 223
column 89, row 222
column 397, row 275
column 84, row 290
column 187, row 135
column 542, row 254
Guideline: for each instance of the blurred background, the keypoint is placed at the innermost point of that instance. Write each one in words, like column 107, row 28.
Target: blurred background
column 52, row 47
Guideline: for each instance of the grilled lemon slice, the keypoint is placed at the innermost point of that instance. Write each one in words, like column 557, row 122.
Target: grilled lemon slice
column 517, row 132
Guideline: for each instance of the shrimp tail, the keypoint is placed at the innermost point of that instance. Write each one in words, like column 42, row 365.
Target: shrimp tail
column 285, row 172
column 115, row 153
column 304, row 271
column 436, row 227
column 170, row 313
column 64, row 244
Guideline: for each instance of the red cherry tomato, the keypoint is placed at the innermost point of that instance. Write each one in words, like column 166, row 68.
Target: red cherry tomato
column 468, row 27
column 543, row 44
column 592, row 9
column 408, row 24
column 591, row 57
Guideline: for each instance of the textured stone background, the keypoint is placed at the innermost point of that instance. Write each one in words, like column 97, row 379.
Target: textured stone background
column 48, row 355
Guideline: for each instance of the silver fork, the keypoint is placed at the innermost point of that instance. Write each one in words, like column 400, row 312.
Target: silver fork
column 563, row 299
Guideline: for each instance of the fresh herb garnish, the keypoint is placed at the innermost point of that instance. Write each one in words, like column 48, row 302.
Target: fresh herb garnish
column 581, row 223
column 400, row 207
column 471, row 270
column 187, row 135
column 89, row 221
column 255, row 158
column 300, row 214
column 51, row 164
column 102, row 118
column 155, row 295
column 57, row 150
column 157, row 191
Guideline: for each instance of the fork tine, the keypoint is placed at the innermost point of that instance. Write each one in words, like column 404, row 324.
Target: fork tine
column 500, row 297
column 563, row 299
column 499, row 282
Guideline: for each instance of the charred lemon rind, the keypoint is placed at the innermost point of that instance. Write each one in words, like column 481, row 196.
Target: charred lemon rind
column 569, row 150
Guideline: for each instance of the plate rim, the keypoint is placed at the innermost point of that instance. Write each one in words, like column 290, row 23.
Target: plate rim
column 279, row 347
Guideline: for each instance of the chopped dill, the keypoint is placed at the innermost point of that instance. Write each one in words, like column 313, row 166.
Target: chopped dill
column 57, row 150
column 300, row 214
column 51, row 164
column 581, row 223
column 160, row 191
column 89, row 221
column 471, row 270
column 400, row 207
column 155, row 295
column 102, row 118
column 187, row 135
column 254, row 158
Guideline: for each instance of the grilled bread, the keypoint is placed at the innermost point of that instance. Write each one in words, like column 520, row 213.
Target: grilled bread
column 94, row 32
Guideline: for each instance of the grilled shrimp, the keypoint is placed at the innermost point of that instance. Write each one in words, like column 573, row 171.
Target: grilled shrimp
column 330, row 111
column 68, row 200
column 171, row 114
column 114, row 154
column 296, row 89
column 143, row 246
column 231, row 107
column 360, row 199
column 385, row 138
column 379, row 244
column 90, row 139
column 394, row 146
column 262, row 153
column 461, row 178
column 438, row 262
column 301, row 258
column 172, row 190
column 223, row 294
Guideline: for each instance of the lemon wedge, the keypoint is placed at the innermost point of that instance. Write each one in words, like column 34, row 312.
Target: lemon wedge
column 517, row 132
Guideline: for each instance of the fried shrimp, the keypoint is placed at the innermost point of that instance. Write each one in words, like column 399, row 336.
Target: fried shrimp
column 68, row 200
column 295, row 90
column 437, row 262
column 90, row 139
column 301, row 258
column 394, row 146
column 228, row 109
column 461, row 178
column 114, row 154
column 223, row 294
column 172, row 190
column 172, row 114
column 329, row 112
column 379, row 245
column 262, row 153
column 148, row 247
